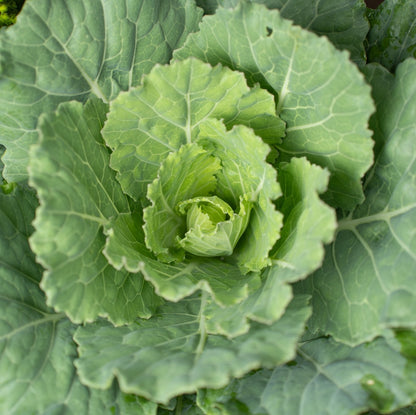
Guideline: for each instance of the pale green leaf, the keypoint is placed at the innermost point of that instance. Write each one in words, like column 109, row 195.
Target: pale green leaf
column 392, row 37
column 367, row 280
column 245, row 174
column 322, row 97
column 165, row 112
column 185, row 174
column 78, row 195
column 172, row 353
column 308, row 224
column 125, row 248
column 59, row 50
column 213, row 227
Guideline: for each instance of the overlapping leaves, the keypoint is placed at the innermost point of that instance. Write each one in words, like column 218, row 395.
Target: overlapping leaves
column 61, row 51
column 320, row 95
column 36, row 346
column 344, row 23
column 78, row 196
column 223, row 323
column 367, row 280
column 326, row 377
column 172, row 353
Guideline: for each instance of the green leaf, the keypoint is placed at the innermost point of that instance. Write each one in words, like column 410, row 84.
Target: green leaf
column 329, row 377
column 166, row 111
column 214, row 228
column 321, row 96
column 240, row 396
column 185, row 174
column 367, row 281
column 58, row 51
column 78, row 195
column 246, row 175
column 343, row 23
column 172, row 353
column 383, row 83
column 125, row 248
column 36, row 346
column 392, row 37
column 325, row 378
column 308, row 223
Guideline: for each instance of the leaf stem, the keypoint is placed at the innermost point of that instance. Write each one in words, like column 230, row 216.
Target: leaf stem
column 179, row 405
column 202, row 328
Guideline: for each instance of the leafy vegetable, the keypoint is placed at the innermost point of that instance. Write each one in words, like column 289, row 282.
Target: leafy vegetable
column 392, row 37
column 208, row 214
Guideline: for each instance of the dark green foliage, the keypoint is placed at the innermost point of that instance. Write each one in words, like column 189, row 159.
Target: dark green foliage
column 9, row 10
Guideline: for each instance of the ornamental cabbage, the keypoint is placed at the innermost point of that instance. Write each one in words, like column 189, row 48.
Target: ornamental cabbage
column 207, row 207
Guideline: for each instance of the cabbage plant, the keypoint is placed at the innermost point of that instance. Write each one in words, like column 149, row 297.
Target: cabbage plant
column 208, row 207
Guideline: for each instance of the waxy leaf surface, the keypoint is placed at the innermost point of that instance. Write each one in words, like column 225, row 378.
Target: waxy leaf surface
column 367, row 281
column 36, row 345
column 165, row 112
column 78, row 196
column 172, row 353
column 125, row 248
column 61, row 51
column 320, row 95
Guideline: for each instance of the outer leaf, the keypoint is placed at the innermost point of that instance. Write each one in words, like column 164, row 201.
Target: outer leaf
column 78, row 195
column 321, row 96
column 392, row 37
column 125, row 247
column 367, row 280
column 36, row 346
column 308, row 223
column 326, row 378
column 239, row 397
column 410, row 410
column 147, row 123
column 329, row 378
column 58, row 51
column 171, row 354
column 344, row 23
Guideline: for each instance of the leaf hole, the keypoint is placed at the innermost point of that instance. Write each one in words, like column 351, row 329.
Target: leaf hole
column 269, row 31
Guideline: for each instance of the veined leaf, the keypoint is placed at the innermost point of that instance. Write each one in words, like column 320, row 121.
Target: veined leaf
column 308, row 223
column 125, row 248
column 246, row 175
column 166, row 111
column 185, row 174
column 327, row 378
column 367, row 281
column 344, row 23
column 36, row 346
column 172, row 354
column 321, row 96
column 59, row 51
column 78, row 195
column 392, row 37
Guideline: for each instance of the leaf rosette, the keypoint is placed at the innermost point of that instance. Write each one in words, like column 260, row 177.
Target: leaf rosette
column 187, row 152
column 210, row 193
